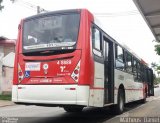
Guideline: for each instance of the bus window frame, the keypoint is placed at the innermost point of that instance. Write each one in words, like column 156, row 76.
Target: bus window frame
column 126, row 53
column 116, row 57
column 94, row 49
column 55, row 48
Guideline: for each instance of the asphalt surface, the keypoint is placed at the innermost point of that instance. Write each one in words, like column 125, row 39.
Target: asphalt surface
column 39, row 114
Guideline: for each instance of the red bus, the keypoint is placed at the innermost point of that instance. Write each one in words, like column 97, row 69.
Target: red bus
column 65, row 58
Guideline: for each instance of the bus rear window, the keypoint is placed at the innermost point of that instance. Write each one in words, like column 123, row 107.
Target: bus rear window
column 51, row 32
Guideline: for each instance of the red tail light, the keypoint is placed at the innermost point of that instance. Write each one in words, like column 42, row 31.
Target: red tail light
column 20, row 74
column 75, row 73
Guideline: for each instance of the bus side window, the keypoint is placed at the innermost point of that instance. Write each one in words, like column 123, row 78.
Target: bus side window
column 119, row 57
column 142, row 72
column 134, row 67
column 128, row 63
column 96, row 41
column 138, row 71
column 145, row 74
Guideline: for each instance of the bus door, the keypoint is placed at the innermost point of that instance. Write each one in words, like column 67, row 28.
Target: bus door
column 150, row 82
column 108, row 71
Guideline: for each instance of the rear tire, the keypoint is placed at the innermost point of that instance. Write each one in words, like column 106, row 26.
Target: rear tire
column 73, row 108
column 119, row 108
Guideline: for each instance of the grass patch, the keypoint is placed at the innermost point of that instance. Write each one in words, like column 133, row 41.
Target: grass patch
column 5, row 97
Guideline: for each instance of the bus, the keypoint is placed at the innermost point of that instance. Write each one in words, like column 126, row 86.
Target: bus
column 65, row 58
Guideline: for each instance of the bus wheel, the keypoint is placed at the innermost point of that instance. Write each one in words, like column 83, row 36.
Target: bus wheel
column 73, row 108
column 119, row 108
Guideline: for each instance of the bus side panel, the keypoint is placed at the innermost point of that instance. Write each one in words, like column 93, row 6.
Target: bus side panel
column 133, row 90
column 15, row 73
column 52, row 94
column 83, row 95
column 119, row 79
column 14, row 93
column 97, row 89
column 47, row 94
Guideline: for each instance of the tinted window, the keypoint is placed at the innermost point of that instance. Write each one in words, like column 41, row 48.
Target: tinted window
column 96, row 41
column 134, row 66
column 119, row 58
column 96, row 38
column 128, row 62
column 48, row 32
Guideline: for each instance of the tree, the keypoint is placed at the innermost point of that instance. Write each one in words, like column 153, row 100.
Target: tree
column 157, row 49
column 154, row 65
column 156, row 80
column 1, row 6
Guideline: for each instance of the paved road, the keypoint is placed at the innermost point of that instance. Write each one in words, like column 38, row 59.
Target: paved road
column 142, row 113
column 38, row 114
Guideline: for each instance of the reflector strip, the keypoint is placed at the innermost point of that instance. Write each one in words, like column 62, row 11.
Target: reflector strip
column 70, row 88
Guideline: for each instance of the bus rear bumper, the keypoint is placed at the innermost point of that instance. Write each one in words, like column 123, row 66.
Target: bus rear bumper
column 51, row 94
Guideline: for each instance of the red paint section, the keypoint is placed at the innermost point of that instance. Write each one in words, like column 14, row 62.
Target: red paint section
column 58, row 73
column 84, row 42
column 19, row 87
column 17, row 52
column 72, row 89
column 140, row 89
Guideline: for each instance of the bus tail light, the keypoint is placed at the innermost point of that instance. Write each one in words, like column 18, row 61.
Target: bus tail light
column 20, row 74
column 75, row 73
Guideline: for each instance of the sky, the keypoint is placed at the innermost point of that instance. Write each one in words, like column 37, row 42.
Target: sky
column 120, row 19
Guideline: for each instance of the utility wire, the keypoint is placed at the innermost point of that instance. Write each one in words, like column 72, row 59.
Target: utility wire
column 35, row 7
column 127, row 13
column 26, row 6
column 31, row 6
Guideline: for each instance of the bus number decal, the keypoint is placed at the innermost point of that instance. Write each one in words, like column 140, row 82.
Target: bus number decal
column 62, row 68
column 64, row 62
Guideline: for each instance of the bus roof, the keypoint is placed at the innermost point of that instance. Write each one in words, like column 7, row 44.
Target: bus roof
column 53, row 12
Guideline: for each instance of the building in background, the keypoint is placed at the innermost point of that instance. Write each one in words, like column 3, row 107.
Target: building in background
column 7, row 54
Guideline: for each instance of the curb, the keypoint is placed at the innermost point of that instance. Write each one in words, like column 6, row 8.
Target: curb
column 4, row 103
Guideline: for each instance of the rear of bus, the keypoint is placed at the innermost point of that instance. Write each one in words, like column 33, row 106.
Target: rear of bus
column 53, row 63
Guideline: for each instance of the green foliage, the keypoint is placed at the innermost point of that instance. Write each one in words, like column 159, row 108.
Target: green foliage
column 5, row 97
column 156, row 67
column 157, row 49
column 156, row 80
